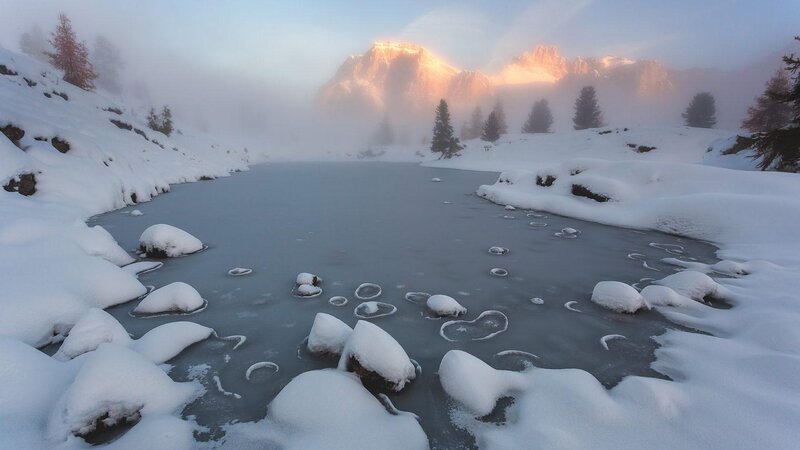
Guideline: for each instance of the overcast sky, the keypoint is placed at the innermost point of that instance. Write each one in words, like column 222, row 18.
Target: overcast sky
column 301, row 43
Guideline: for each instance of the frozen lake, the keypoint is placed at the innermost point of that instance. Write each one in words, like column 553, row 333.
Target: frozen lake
column 389, row 224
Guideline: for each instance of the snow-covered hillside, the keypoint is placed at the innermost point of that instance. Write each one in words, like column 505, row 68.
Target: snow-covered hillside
column 66, row 154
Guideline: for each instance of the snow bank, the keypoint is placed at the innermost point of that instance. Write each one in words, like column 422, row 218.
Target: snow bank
column 166, row 241
column 328, row 335
column 475, row 384
column 95, row 328
column 327, row 409
column 618, row 297
column 371, row 352
column 695, row 285
column 444, row 305
column 174, row 297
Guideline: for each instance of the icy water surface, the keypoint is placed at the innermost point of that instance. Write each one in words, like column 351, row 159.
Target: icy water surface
column 389, row 225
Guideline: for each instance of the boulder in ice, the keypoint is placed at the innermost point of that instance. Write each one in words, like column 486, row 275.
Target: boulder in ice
column 94, row 328
column 376, row 357
column 174, row 297
column 328, row 335
column 618, row 297
column 308, row 278
column 695, row 285
column 444, row 305
column 165, row 241
column 474, row 384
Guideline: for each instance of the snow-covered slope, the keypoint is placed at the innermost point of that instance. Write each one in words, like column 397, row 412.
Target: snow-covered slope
column 66, row 154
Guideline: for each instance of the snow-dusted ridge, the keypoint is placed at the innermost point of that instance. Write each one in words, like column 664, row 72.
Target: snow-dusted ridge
column 735, row 388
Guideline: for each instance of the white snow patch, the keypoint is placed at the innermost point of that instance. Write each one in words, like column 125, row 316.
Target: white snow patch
column 169, row 240
column 475, row 384
column 174, row 297
column 618, row 297
column 444, row 305
column 328, row 334
column 377, row 351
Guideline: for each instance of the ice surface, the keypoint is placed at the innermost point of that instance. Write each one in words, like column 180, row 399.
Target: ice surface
column 498, row 250
column 239, row 271
column 445, row 306
column 499, row 272
column 141, row 267
column 328, row 335
column 373, row 310
column 174, row 297
column 618, row 297
column 486, row 326
column 604, row 340
column 338, row 300
column 368, row 291
column 418, row 298
column 537, row 301
column 164, row 240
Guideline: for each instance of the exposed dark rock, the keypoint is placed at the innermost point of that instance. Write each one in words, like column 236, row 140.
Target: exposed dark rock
column 13, row 133
column 582, row 191
column 644, row 149
column 47, row 94
column 121, row 124
column 134, row 198
column 631, row 145
column 30, row 82
column 24, row 184
column 742, row 143
column 140, row 133
column 6, row 71
column 574, row 172
column 107, row 428
column 116, row 111
column 61, row 94
column 205, row 178
column 547, row 181
column 604, row 132
column 60, row 144
column 40, row 138
column 371, row 380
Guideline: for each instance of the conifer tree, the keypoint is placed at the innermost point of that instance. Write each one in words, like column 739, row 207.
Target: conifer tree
column 701, row 111
column 153, row 122
column 769, row 112
column 33, row 43
column 779, row 149
column 475, row 126
column 166, row 121
column 491, row 129
column 444, row 141
column 71, row 56
column 587, row 111
column 500, row 116
column 540, row 118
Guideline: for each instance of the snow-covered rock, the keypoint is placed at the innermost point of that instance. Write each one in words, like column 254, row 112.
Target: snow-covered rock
column 166, row 341
column 444, row 305
column 618, row 297
column 136, row 213
column 692, row 284
column 308, row 278
column 116, row 384
column 475, row 384
column 656, row 295
column 328, row 334
column 174, row 297
column 328, row 409
column 94, row 328
column 165, row 241
column 307, row 290
column 372, row 353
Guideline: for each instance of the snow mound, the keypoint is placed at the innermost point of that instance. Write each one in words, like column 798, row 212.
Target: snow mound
column 475, row 384
column 307, row 291
column 136, row 213
column 695, row 285
column 116, row 384
column 166, row 341
column 328, row 334
column 372, row 352
column 328, row 409
column 165, row 241
column 444, row 305
column 174, row 297
column 656, row 295
column 618, row 297
column 94, row 328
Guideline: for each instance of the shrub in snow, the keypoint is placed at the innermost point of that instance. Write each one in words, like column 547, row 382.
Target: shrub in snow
column 116, row 385
column 166, row 241
column 618, row 297
column 475, row 384
column 376, row 357
column 174, row 297
column 328, row 335
column 695, row 285
column 444, row 305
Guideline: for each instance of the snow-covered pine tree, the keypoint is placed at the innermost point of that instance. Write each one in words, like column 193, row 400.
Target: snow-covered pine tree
column 587, row 111
column 701, row 112
column 540, row 118
column 71, row 56
column 444, row 142
column 770, row 112
column 491, row 129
